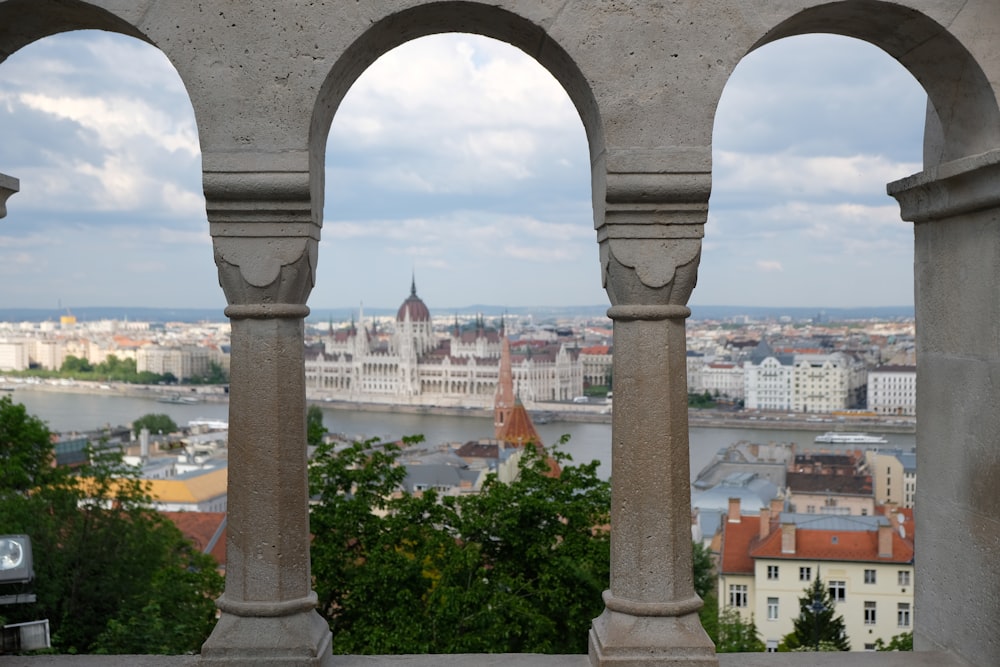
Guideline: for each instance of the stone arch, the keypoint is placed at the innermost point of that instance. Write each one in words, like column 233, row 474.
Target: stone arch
column 442, row 17
column 963, row 117
column 25, row 21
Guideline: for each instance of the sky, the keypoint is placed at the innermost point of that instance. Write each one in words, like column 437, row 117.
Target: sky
column 459, row 161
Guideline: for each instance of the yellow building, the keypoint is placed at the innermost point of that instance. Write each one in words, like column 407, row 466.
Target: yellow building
column 768, row 561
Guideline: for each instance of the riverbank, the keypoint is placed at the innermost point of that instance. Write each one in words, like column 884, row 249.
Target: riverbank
column 542, row 413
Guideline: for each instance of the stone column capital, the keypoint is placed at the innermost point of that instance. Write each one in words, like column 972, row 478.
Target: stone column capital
column 8, row 186
column 650, row 238
column 963, row 186
column 266, row 240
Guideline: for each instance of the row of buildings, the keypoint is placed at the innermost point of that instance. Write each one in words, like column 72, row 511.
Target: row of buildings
column 182, row 350
column 414, row 359
column 806, row 382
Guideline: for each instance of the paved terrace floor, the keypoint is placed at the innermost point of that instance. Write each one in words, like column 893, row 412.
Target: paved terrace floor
column 856, row 659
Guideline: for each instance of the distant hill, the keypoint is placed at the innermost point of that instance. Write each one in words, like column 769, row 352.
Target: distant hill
column 539, row 313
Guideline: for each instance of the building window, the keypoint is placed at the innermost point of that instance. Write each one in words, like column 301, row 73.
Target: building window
column 903, row 614
column 869, row 647
column 805, row 574
column 869, row 613
column 838, row 591
column 772, row 572
column 869, row 576
column 904, row 577
column 737, row 595
column 772, row 609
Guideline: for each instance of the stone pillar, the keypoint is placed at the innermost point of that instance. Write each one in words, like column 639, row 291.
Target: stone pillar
column 955, row 208
column 650, row 241
column 265, row 240
column 8, row 186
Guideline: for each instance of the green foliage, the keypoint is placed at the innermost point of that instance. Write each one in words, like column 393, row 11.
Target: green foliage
column 26, row 454
column 704, row 570
column 77, row 365
column 102, row 557
column 156, row 422
column 811, row 627
column 701, row 400
column 112, row 369
column 515, row 568
column 736, row 634
column 900, row 642
column 215, row 375
column 704, row 586
column 314, row 425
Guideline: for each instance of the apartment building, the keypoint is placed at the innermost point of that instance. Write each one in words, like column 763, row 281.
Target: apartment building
column 769, row 559
column 892, row 390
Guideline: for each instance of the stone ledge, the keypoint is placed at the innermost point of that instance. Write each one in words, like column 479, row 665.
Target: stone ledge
column 856, row 659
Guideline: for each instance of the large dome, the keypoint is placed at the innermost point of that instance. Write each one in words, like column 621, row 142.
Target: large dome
column 415, row 306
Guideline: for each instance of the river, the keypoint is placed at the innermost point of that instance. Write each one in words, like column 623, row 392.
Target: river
column 588, row 441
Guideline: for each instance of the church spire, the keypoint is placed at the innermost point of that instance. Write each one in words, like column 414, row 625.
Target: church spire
column 503, row 404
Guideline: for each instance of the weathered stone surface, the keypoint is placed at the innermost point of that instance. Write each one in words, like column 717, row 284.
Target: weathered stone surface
column 265, row 80
column 8, row 186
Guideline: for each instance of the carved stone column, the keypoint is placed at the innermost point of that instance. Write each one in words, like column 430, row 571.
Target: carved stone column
column 955, row 208
column 265, row 240
column 650, row 242
column 8, row 186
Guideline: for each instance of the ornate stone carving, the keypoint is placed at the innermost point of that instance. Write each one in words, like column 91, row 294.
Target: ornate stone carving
column 650, row 238
column 265, row 240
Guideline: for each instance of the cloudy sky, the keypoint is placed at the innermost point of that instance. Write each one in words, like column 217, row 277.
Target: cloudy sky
column 459, row 159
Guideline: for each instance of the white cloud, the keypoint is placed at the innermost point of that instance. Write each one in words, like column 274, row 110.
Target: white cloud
column 454, row 114
column 798, row 176
column 118, row 122
column 769, row 266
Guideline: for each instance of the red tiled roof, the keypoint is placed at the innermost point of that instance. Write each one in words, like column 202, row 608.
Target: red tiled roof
column 519, row 429
column 850, row 545
column 737, row 539
column 201, row 528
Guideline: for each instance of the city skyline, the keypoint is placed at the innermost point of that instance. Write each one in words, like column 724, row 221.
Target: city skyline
column 460, row 160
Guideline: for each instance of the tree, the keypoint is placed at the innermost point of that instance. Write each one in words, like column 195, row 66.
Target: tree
column 314, row 425
column 704, row 570
column 155, row 422
column 26, row 454
column 736, row 634
column 215, row 375
column 518, row 567
column 102, row 556
column 900, row 642
column 814, row 628
column 73, row 364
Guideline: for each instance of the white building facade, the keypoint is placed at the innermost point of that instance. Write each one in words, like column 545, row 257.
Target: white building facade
column 892, row 390
column 820, row 383
column 768, row 385
column 414, row 366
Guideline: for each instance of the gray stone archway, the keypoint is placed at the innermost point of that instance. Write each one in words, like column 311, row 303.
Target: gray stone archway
column 265, row 79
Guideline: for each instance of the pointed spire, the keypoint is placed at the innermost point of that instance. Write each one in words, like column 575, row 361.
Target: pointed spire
column 503, row 404
column 413, row 283
column 458, row 330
